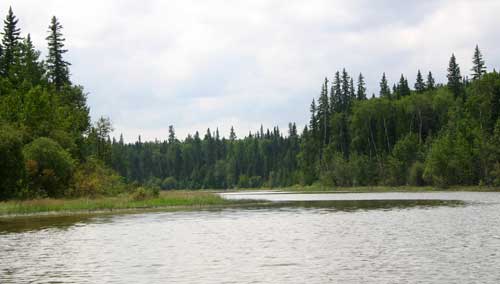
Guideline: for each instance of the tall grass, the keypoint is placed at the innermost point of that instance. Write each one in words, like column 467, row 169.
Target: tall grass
column 165, row 199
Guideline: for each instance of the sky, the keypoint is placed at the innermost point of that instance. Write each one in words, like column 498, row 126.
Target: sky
column 199, row 64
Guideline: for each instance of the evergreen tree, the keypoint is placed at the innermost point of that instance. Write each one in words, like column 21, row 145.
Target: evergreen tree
column 403, row 89
column 335, row 94
column 352, row 90
column 419, row 84
column 30, row 69
column 58, row 71
column 171, row 134
column 385, row 92
column 454, row 78
column 10, row 43
column 345, row 95
column 323, row 113
column 478, row 67
column 431, row 83
column 313, row 122
column 361, row 94
column 232, row 134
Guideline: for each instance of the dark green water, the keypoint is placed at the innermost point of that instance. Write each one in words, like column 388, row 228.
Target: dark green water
column 304, row 238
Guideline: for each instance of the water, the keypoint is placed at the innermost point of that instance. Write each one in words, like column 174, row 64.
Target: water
column 381, row 238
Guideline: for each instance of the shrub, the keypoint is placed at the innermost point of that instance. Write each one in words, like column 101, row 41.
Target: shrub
column 142, row 193
column 49, row 167
column 169, row 183
column 93, row 178
column 416, row 175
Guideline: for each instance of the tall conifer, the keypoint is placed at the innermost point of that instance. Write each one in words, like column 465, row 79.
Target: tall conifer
column 478, row 66
column 10, row 42
column 58, row 70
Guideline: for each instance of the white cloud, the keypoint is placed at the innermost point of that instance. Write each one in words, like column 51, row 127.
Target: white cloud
column 199, row 64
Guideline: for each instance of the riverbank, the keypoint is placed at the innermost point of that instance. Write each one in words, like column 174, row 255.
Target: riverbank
column 166, row 200
column 367, row 189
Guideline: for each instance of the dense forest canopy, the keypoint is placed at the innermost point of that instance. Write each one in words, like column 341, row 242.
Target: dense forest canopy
column 421, row 133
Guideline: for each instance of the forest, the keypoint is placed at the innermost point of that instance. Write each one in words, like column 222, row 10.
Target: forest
column 421, row 133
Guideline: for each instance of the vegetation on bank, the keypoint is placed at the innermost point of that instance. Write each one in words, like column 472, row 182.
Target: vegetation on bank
column 164, row 200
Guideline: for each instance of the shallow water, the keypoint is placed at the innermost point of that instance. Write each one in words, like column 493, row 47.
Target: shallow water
column 308, row 238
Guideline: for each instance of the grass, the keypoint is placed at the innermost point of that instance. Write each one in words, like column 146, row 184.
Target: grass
column 170, row 199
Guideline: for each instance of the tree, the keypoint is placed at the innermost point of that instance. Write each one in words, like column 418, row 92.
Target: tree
column 419, row 84
column 361, row 94
column 454, row 78
column 10, row 43
column 403, row 89
column 58, row 71
column 335, row 94
column 430, row 84
column 385, row 92
column 11, row 162
column 232, row 134
column 323, row 113
column 30, row 69
column 478, row 66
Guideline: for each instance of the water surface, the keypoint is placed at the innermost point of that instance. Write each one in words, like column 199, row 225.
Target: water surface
column 308, row 238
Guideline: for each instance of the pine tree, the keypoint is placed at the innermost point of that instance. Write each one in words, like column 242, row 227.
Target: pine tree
column 323, row 113
column 361, row 94
column 478, row 67
column 171, row 134
column 313, row 122
column 403, row 89
column 352, row 90
column 419, row 84
column 454, row 78
column 58, row 70
column 345, row 94
column 232, row 134
column 335, row 94
column 30, row 69
column 430, row 84
column 385, row 92
column 10, row 42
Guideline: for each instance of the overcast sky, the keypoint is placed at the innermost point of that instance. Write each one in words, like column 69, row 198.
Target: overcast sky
column 199, row 64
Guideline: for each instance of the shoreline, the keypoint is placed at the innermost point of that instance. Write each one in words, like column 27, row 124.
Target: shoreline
column 187, row 200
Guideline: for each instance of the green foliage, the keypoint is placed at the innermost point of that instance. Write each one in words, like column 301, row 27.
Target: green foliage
column 49, row 167
column 169, row 183
column 144, row 193
column 92, row 179
column 11, row 162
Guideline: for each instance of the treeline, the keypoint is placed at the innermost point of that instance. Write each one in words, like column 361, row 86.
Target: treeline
column 425, row 134
column 46, row 137
column 431, row 134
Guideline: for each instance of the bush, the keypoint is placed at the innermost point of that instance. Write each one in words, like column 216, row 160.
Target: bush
column 93, row 178
column 416, row 175
column 49, row 167
column 243, row 181
column 11, row 162
column 169, row 183
column 142, row 193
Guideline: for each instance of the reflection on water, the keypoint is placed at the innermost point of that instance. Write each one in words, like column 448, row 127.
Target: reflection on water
column 375, row 238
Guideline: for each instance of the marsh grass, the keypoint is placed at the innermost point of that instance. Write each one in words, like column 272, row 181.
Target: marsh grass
column 165, row 199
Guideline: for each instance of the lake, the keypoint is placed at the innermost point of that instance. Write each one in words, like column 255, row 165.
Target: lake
column 441, row 237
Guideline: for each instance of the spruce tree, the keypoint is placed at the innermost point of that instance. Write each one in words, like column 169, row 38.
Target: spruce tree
column 313, row 123
column 361, row 94
column 431, row 83
column 419, row 84
column 58, row 71
column 403, row 89
column 10, row 43
column 385, row 92
column 478, row 66
column 454, row 78
column 345, row 94
column 323, row 113
column 232, row 134
column 30, row 69
column 352, row 90
column 335, row 94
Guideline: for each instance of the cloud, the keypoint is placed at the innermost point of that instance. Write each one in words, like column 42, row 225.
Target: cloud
column 199, row 64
